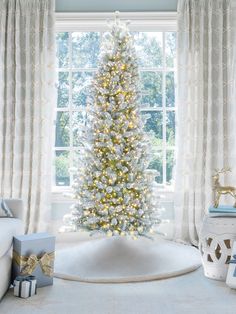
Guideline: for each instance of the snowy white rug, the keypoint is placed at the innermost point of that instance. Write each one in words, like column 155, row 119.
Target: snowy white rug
column 119, row 260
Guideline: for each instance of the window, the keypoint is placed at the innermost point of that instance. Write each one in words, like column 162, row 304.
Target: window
column 77, row 53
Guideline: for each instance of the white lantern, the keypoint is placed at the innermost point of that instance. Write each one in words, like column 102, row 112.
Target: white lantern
column 215, row 243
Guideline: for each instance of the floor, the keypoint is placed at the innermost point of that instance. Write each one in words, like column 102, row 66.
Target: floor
column 188, row 294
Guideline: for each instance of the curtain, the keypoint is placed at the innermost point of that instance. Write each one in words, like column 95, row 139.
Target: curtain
column 206, row 115
column 27, row 71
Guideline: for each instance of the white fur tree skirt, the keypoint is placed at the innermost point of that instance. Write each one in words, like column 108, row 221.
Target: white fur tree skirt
column 120, row 259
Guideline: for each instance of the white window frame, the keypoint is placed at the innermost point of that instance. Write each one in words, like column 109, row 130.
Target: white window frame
column 139, row 21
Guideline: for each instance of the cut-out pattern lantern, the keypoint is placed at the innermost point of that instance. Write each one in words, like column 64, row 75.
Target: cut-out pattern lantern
column 216, row 241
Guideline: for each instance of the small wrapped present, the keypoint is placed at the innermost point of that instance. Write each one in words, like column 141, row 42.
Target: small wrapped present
column 25, row 286
column 231, row 275
column 33, row 254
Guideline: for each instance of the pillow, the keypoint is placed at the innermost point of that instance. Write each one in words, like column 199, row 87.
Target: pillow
column 5, row 210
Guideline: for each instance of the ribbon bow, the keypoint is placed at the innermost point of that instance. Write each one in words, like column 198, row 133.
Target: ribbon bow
column 232, row 261
column 29, row 263
column 25, row 278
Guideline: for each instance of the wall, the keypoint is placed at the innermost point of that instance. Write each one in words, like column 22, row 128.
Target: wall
column 113, row 5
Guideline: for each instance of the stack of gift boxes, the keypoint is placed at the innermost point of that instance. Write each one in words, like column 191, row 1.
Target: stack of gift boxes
column 33, row 262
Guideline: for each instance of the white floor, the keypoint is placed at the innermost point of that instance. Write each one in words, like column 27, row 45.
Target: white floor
column 188, row 294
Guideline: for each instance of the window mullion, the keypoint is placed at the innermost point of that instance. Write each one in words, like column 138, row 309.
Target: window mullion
column 83, row 69
column 151, row 109
column 156, row 69
column 164, row 109
column 62, row 148
column 70, row 107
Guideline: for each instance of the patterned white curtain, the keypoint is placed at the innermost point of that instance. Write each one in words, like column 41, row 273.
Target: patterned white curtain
column 27, row 88
column 206, row 116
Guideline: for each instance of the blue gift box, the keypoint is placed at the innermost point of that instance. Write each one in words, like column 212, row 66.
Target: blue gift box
column 231, row 275
column 33, row 254
column 25, row 286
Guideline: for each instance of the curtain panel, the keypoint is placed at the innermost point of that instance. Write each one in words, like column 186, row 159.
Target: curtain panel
column 206, row 113
column 27, row 90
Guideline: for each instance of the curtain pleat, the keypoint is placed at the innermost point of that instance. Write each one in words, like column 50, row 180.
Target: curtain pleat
column 204, row 138
column 27, row 98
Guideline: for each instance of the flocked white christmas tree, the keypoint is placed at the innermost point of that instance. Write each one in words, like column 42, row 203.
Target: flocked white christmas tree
column 112, row 192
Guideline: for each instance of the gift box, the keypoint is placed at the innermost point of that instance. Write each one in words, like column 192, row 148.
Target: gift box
column 231, row 275
column 25, row 286
column 33, row 254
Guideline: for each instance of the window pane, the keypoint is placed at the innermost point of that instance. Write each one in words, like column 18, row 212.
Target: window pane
column 62, row 40
column 78, row 121
column 62, row 129
column 81, row 87
column 170, row 49
column 63, row 89
column 62, row 165
column 170, row 89
column 169, row 165
column 149, row 48
column 157, row 164
column 170, row 128
column 151, row 85
column 85, row 49
column 153, row 126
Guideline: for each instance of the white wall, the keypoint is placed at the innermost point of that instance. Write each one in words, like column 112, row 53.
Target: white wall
column 113, row 5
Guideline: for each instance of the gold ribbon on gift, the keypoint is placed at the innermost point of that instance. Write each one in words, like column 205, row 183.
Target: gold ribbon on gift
column 29, row 263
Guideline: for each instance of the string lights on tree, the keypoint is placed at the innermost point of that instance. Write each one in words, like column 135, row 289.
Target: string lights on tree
column 111, row 189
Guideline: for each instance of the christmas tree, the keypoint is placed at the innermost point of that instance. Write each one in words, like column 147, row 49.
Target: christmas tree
column 111, row 189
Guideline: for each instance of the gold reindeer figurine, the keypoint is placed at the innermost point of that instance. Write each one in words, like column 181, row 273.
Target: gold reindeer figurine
column 222, row 190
